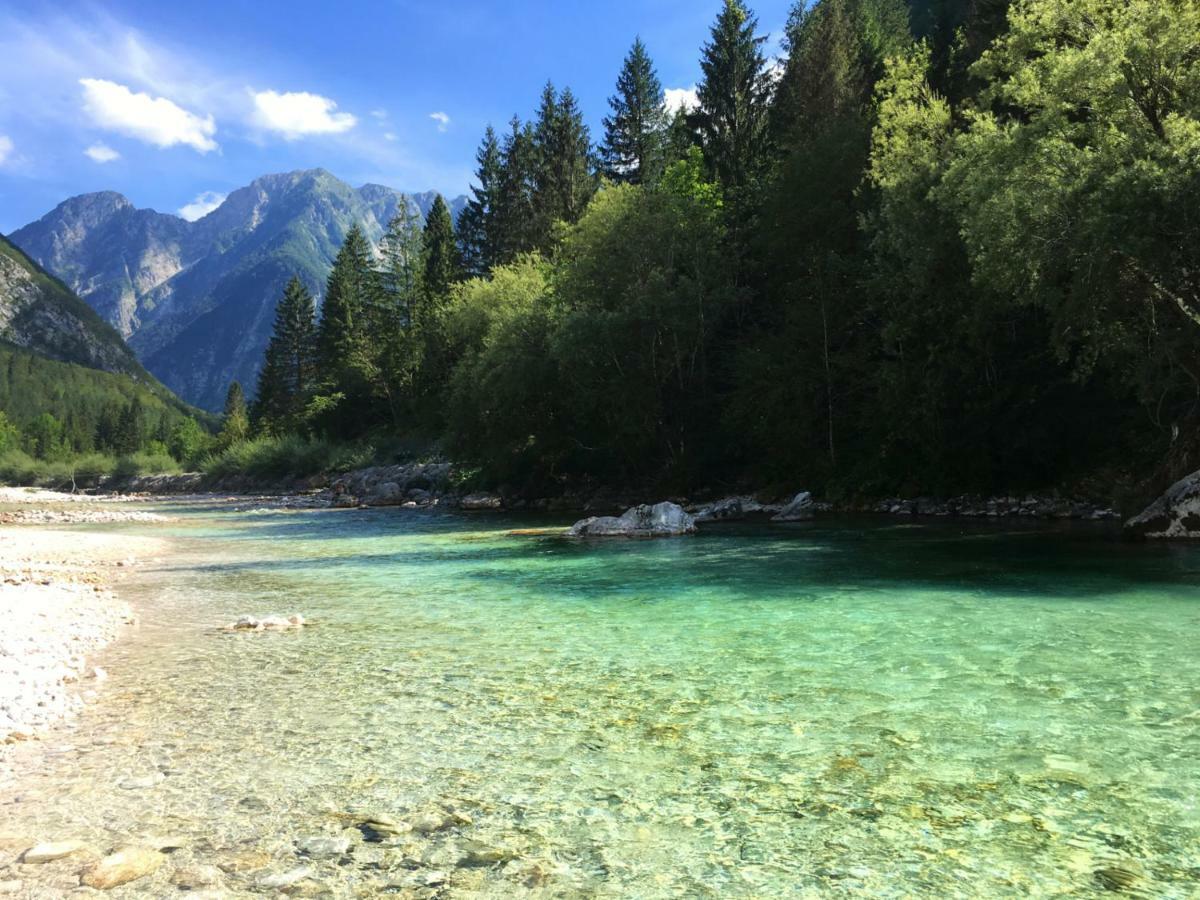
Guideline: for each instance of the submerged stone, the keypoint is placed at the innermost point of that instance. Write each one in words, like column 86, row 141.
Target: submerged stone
column 125, row 865
column 44, row 853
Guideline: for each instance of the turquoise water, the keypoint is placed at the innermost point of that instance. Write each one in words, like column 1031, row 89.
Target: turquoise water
column 849, row 708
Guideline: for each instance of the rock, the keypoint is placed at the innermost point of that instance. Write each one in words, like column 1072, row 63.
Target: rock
column 378, row 826
column 141, row 784
column 125, row 865
column 44, row 853
column 660, row 520
column 800, row 509
column 730, row 509
column 1176, row 514
column 324, row 847
column 386, row 494
column 10, row 887
column 278, row 880
column 439, row 821
column 245, row 861
column 196, row 875
column 481, row 501
column 270, row 623
column 480, row 856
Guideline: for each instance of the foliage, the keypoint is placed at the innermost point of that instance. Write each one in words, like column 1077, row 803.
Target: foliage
column 635, row 132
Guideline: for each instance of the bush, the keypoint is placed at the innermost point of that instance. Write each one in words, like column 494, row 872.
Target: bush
column 290, row 456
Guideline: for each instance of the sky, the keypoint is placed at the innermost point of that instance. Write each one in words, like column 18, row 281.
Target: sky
column 176, row 104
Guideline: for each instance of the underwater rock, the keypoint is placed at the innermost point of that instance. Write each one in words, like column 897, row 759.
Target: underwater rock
column 659, row 520
column 44, row 853
column 324, row 847
column 270, row 623
column 196, row 875
column 125, row 865
column 280, row 880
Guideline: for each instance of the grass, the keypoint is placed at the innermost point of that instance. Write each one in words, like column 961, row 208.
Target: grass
column 290, row 456
column 19, row 468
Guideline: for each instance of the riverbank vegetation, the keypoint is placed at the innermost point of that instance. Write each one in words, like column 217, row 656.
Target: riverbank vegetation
column 937, row 247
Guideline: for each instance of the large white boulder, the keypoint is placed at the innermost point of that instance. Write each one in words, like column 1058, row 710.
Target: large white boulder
column 800, row 509
column 659, row 520
column 1176, row 514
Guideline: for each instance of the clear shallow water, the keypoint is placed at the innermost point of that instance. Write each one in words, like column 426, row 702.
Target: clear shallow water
column 855, row 708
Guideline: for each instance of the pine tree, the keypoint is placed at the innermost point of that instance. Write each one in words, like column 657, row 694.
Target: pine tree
column 441, row 267
column 476, row 223
column 348, row 296
column 130, row 430
column 235, row 420
column 734, row 97
column 401, row 275
column 562, row 177
column 513, row 222
column 289, row 370
column 635, row 133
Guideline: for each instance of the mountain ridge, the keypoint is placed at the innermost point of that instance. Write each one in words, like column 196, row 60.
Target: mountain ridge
column 195, row 300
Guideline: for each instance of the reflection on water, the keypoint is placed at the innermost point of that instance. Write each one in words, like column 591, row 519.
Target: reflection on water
column 855, row 709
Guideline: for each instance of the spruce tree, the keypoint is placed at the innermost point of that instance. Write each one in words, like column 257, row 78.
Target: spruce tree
column 348, row 295
column 402, row 271
column 441, row 267
column 235, row 420
column 635, row 133
column 130, row 431
column 476, row 223
column 289, row 370
column 562, row 178
column 734, row 97
column 513, row 224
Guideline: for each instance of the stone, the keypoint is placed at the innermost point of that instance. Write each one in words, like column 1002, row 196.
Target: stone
column 1176, row 514
column 270, row 623
column 477, row 855
column 798, row 510
column 324, row 847
column 660, row 520
column 196, row 875
column 245, row 861
column 439, row 821
column 44, row 853
column 731, row 509
column 10, row 886
column 125, row 865
column 279, row 880
column 481, row 501
column 141, row 784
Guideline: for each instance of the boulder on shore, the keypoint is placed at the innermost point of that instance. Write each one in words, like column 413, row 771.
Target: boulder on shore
column 659, row 520
column 481, row 501
column 1176, row 514
column 731, row 509
column 800, row 509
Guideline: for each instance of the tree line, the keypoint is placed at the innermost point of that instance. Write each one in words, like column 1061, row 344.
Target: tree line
column 940, row 245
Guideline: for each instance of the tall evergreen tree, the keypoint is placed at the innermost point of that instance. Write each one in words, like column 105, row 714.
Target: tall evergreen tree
column 289, row 370
column 130, row 431
column 476, row 223
column 734, row 97
column 347, row 297
column 235, row 420
column 635, row 132
column 513, row 225
column 441, row 262
column 402, row 272
column 563, row 179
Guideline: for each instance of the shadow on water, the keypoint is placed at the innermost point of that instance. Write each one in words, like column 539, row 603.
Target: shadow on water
column 1069, row 561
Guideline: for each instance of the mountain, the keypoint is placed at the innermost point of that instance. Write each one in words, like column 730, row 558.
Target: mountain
column 196, row 300
column 58, row 357
column 38, row 313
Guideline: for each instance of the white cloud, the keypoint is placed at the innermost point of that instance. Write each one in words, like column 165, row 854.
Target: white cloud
column 101, row 153
column 6, row 148
column 155, row 120
column 380, row 114
column 295, row 115
column 390, row 136
column 204, row 203
column 442, row 119
column 681, row 98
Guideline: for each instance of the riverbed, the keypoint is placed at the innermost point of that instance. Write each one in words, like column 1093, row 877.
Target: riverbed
column 850, row 707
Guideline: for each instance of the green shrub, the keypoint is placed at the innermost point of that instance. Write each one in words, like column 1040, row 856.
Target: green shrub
column 290, row 456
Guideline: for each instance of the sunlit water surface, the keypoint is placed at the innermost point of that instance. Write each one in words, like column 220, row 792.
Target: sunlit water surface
column 850, row 708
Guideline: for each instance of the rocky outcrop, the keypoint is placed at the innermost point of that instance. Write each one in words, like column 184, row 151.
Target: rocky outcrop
column 416, row 483
column 481, row 502
column 659, row 520
column 1176, row 514
column 800, row 509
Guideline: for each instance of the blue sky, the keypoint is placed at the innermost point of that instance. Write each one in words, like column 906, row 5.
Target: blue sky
column 176, row 104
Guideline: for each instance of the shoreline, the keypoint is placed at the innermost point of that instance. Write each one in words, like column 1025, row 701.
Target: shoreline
column 60, row 605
